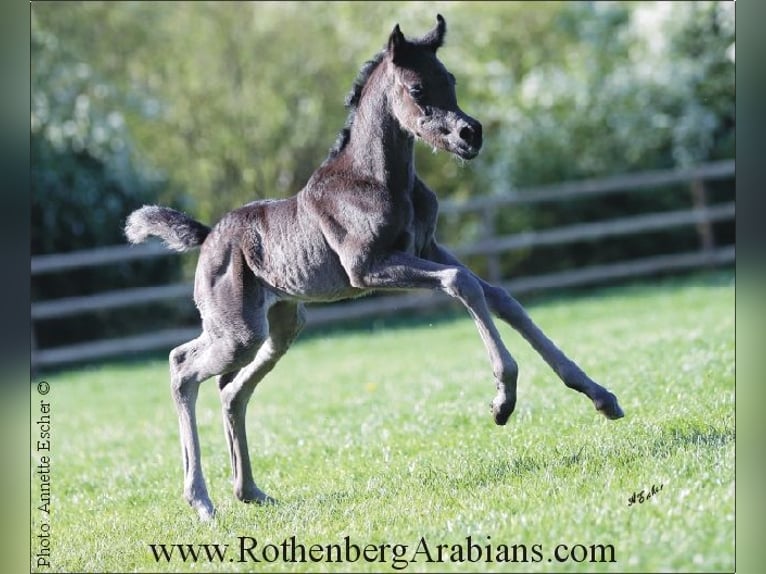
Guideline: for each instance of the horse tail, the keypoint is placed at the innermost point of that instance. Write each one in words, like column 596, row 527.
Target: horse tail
column 179, row 231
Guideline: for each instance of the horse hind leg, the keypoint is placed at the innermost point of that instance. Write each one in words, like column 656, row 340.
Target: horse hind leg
column 190, row 365
column 184, row 384
column 285, row 322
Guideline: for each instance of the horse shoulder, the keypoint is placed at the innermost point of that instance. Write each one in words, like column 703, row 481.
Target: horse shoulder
column 343, row 206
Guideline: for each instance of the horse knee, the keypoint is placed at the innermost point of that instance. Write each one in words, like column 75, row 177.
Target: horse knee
column 180, row 378
column 232, row 403
column 459, row 283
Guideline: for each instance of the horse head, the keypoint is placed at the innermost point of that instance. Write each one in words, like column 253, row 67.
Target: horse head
column 424, row 100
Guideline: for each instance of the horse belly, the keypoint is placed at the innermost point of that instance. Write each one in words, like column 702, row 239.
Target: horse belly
column 302, row 266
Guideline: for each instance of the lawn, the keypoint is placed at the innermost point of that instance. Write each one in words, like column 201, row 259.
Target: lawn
column 383, row 437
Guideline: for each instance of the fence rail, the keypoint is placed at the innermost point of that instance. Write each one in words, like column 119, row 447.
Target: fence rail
column 599, row 230
column 646, row 180
column 93, row 257
column 699, row 215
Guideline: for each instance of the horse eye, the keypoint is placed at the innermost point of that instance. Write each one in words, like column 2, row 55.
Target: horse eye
column 416, row 91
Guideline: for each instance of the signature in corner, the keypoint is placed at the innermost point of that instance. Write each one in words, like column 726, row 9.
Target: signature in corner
column 644, row 495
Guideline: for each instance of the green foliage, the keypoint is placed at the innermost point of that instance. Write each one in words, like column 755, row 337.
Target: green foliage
column 366, row 435
column 85, row 179
column 240, row 101
column 625, row 90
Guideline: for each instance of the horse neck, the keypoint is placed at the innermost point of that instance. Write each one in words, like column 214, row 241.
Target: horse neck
column 378, row 147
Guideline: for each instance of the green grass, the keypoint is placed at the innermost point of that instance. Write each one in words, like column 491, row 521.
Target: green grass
column 386, row 437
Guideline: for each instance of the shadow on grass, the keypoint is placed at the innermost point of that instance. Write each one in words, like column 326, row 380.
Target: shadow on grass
column 672, row 439
column 561, row 461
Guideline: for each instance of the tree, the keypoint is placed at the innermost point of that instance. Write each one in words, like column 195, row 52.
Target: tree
column 84, row 180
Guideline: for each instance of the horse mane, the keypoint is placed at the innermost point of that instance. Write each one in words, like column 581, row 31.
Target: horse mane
column 352, row 103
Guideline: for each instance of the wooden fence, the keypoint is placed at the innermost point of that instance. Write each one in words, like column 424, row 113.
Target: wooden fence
column 700, row 215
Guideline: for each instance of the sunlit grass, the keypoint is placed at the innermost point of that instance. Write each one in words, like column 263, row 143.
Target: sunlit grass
column 386, row 437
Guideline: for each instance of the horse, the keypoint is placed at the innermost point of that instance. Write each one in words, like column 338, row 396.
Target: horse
column 364, row 221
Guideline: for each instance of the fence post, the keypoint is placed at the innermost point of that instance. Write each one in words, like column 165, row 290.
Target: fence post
column 704, row 226
column 488, row 232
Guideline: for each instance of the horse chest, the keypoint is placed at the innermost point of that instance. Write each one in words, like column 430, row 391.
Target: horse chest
column 405, row 239
column 415, row 230
column 388, row 222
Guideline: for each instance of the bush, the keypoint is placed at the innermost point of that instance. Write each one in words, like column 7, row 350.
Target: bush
column 84, row 182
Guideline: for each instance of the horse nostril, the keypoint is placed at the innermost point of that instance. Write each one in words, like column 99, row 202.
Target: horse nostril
column 467, row 134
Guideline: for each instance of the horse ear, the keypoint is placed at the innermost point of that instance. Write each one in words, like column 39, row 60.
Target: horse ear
column 396, row 44
column 435, row 38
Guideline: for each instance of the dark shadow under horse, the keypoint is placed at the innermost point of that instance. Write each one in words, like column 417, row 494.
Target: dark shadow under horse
column 364, row 221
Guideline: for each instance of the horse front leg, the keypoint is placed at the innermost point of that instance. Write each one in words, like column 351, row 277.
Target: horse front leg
column 511, row 311
column 404, row 271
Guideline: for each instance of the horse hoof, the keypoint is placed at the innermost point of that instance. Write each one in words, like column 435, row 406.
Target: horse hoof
column 256, row 496
column 201, row 504
column 206, row 512
column 609, row 407
column 265, row 501
column 502, row 408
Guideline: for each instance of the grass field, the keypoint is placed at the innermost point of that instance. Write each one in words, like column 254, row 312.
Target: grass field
column 384, row 436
